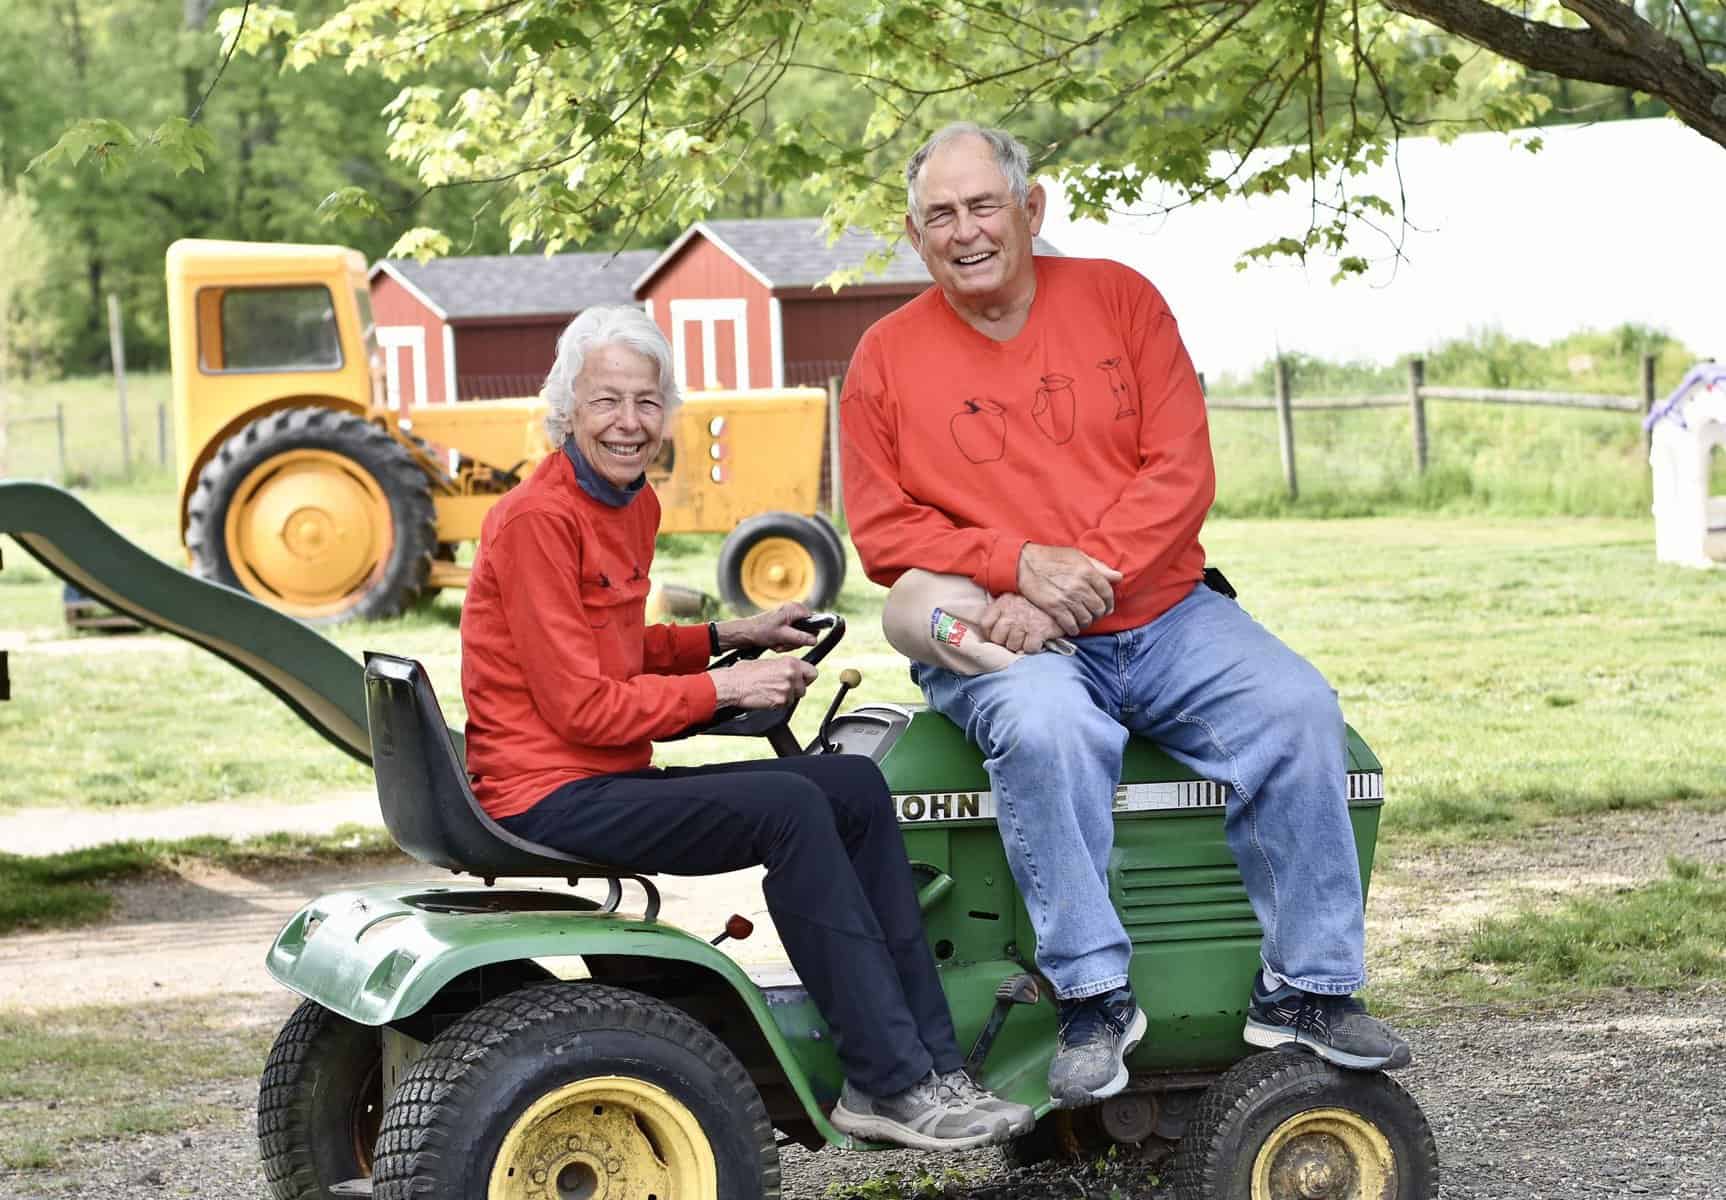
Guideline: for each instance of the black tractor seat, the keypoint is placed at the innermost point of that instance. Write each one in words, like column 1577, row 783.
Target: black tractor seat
column 428, row 805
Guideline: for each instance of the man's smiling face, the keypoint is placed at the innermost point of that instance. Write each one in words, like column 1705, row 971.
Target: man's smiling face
column 974, row 237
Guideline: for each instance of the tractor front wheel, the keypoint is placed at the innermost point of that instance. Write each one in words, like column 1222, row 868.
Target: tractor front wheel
column 320, row 1104
column 777, row 557
column 1284, row 1125
column 563, row 1090
column 317, row 512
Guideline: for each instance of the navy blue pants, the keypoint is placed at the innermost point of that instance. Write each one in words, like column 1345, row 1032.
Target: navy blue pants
column 838, row 886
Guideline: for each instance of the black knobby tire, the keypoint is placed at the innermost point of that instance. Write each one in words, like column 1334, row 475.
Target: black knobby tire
column 810, row 558
column 319, row 1104
column 828, row 530
column 357, row 452
column 1280, row 1097
column 458, row 1104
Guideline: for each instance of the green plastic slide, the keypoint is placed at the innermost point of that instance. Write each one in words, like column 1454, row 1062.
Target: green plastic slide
column 307, row 672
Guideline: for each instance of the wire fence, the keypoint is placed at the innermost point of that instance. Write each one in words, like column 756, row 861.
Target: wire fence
column 1413, row 404
column 68, row 443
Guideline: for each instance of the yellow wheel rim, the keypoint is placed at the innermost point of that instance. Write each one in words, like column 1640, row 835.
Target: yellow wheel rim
column 1325, row 1154
column 776, row 570
column 606, row 1138
column 308, row 529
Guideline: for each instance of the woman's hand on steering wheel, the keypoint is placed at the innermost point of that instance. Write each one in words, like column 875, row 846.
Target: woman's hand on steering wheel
column 773, row 630
column 764, row 683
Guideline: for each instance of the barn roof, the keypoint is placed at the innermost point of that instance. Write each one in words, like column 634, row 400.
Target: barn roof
column 792, row 252
column 519, row 285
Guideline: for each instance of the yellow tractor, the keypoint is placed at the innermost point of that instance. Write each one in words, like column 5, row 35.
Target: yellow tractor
column 299, row 484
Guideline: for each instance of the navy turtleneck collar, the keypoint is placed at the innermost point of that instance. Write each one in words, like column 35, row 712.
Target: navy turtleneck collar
column 597, row 485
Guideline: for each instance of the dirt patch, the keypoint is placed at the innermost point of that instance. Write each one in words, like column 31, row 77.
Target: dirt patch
column 1421, row 900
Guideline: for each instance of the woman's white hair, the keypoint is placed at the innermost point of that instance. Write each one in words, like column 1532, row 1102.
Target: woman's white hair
column 605, row 325
column 1010, row 155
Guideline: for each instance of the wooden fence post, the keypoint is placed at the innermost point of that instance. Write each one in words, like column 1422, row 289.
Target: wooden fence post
column 161, row 435
column 1647, row 405
column 1417, row 410
column 117, row 348
column 60, row 437
column 836, row 498
column 1285, row 419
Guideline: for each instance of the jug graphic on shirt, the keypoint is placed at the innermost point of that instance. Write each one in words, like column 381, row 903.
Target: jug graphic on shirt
column 1118, row 387
column 1055, row 408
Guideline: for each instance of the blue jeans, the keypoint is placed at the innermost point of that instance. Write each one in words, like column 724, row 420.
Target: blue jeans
column 1222, row 696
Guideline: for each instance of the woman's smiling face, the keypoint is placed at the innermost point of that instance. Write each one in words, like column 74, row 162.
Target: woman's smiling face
column 619, row 418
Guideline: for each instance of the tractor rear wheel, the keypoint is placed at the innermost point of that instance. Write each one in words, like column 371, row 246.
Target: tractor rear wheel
column 777, row 557
column 320, row 1104
column 317, row 512
column 833, row 536
column 1285, row 1125
column 576, row 1089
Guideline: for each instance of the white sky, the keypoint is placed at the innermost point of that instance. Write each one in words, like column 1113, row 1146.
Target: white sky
column 1623, row 221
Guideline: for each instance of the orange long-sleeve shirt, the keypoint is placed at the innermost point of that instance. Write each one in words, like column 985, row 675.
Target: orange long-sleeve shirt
column 562, row 677
column 1085, row 429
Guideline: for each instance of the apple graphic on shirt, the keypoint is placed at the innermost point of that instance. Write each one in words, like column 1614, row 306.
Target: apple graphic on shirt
column 980, row 430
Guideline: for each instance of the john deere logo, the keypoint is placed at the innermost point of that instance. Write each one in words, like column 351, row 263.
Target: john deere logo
column 940, row 806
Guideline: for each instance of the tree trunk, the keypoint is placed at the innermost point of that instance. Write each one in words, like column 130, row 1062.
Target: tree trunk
column 1618, row 48
column 194, row 14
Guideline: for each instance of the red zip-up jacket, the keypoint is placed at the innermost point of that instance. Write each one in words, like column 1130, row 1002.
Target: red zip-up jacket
column 562, row 676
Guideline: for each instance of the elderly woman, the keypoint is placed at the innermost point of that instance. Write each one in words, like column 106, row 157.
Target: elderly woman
column 567, row 686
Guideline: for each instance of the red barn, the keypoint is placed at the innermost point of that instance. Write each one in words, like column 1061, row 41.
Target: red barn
column 486, row 327
column 741, row 301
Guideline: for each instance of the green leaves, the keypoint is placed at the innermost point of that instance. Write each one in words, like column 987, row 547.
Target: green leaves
column 181, row 145
column 562, row 122
column 114, row 148
column 111, row 145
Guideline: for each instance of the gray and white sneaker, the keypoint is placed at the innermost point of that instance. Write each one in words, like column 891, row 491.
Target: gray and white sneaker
column 1021, row 1118
column 1097, row 1034
column 1336, row 1028
column 925, row 1116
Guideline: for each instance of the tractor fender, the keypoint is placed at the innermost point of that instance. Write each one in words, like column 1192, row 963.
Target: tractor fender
column 237, row 422
column 379, row 954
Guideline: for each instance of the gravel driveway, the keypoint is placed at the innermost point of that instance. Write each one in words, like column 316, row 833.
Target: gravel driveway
column 1618, row 1096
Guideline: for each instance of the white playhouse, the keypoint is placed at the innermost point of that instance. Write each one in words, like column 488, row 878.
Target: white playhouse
column 1686, row 430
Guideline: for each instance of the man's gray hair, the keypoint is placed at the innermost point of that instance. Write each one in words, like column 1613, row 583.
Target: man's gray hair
column 1010, row 155
column 605, row 325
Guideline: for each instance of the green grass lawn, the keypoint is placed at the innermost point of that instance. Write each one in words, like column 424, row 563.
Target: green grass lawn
column 103, row 1071
column 1504, row 670
column 90, row 411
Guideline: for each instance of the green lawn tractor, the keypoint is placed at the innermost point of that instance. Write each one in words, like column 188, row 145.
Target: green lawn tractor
column 460, row 1040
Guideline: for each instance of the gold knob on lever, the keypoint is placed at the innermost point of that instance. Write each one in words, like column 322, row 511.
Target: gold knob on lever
column 849, row 678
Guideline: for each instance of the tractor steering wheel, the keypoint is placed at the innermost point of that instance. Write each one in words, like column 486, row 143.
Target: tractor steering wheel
column 755, row 722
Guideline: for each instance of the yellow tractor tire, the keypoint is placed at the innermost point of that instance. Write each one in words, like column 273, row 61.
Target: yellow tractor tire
column 777, row 557
column 1286, row 1125
column 576, row 1089
column 317, row 512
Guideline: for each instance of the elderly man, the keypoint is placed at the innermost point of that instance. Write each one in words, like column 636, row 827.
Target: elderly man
column 567, row 687
column 1035, row 426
